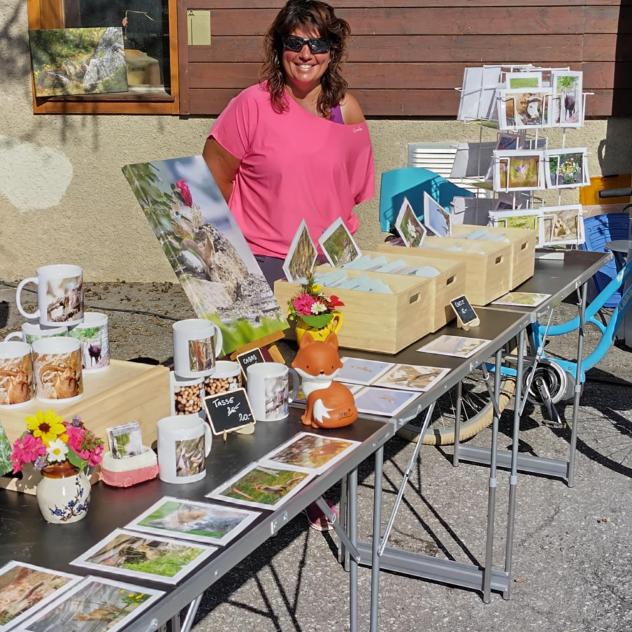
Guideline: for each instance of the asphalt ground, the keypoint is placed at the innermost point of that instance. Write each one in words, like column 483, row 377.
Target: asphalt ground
column 572, row 558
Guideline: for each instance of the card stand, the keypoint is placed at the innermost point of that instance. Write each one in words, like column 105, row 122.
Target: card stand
column 383, row 322
column 130, row 470
column 487, row 269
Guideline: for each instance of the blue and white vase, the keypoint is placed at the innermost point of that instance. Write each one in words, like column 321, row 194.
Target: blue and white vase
column 63, row 494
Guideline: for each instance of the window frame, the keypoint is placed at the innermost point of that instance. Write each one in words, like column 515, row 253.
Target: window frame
column 44, row 14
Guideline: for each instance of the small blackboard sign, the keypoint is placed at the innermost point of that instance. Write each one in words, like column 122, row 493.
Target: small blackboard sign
column 228, row 411
column 249, row 357
column 464, row 311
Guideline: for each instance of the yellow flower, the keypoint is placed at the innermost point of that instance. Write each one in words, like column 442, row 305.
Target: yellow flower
column 317, row 288
column 48, row 425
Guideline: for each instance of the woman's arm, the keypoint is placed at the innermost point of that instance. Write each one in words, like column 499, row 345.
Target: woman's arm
column 222, row 164
column 351, row 110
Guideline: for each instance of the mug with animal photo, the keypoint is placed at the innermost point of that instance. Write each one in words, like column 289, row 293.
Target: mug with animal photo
column 92, row 333
column 57, row 369
column 197, row 343
column 16, row 374
column 59, row 295
column 125, row 440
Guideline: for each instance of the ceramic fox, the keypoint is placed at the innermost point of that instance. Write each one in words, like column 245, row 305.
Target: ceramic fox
column 329, row 404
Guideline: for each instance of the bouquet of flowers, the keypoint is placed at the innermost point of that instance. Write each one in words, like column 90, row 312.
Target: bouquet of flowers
column 51, row 440
column 311, row 306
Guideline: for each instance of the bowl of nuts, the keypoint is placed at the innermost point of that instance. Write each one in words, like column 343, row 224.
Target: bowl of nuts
column 227, row 377
column 186, row 395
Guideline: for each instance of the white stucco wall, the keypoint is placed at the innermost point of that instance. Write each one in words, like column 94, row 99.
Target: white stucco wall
column 63, row 197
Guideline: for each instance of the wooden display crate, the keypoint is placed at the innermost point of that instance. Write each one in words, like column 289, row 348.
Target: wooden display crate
column 448, row 284
column 487, row 269
column 124, row 392
column 523, row 242
column 375, row 321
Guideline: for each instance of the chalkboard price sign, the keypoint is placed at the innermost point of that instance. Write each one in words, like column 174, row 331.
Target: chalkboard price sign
column 465, row 312
column 228, row 411
column 249, row 357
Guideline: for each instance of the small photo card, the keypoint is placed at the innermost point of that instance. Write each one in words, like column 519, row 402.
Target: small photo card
column 456, row 346
column 560, row 225
column 96, row 604
column 383, row 401
column 308, row 452
column 568, row 98
column 228, row 411
column 125, row 440
column 262, row 486
column 518, row 170
column 338, row 244
column 436, row 219
column 191, row 520
column 411, row 377
column 301, row 256
column 410, row 229
column 144, row 557
column 566, row 168
column 25, row 588
column 522, row 299
column 524, row 108
column 245, row 359
column 361, row 371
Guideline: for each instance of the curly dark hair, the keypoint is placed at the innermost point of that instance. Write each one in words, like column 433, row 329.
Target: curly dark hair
column 320, row 17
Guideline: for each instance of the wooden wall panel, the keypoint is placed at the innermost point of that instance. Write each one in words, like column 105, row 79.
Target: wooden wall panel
column 406, row 57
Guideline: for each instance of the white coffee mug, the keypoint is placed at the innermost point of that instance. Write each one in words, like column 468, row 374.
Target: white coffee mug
column 92, row 333
column 57, row 369
column 184, row 442
column 59, row 295
column 16, row 374
column 197, row 342
column 268, row 390
column 30, row 332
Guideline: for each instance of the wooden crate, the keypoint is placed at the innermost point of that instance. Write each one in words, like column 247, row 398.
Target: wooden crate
column 376, row 321
column 448, row 284
column 487, row 270
column 523, row 242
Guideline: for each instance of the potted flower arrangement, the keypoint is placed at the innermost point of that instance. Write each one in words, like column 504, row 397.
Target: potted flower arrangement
column 311, row 310
column 63, row 452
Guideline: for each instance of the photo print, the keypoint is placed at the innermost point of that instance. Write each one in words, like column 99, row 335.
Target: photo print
column 301, row 256
column 190, row 456
column 64, row 299
column 436, row 219
column 522, row 299
column 206, row 248
column 125, row 440
column 95, row 346
column 566, row 168
column 383, row 401
column 260, row 485
column 524, row 108
column 16, row 380
column 523, row 80
column 145, row 557
column 361, row 371
column 202, row 354
column 456, row 346
column 562, row 225
column 25, row 588
column 58, row 375
column 338, row 244
column 519, row 170
column 277, row 396
column 410, row 229
column 411, row 377
column 309, row 452
column 78, row 61
column 190, row 520
column 96, row 604
column 527, row 218
column 568, row 98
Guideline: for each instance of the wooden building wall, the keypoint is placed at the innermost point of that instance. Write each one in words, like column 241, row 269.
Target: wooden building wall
column 407, row 56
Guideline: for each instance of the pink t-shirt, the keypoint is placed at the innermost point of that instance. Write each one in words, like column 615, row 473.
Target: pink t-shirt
column 294, row 166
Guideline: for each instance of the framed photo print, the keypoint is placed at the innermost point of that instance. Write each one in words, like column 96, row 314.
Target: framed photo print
column 519, row 170
column 562, row 225
column 338, row 244
column 566, row 168
column 301, row 256
column 410, row 229
column 436, row 219
column 524, row 108
column 568, row 98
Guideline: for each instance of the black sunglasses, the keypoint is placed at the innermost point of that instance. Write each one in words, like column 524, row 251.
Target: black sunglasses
column 316, row 45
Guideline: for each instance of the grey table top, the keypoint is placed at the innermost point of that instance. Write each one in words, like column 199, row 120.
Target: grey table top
column 620, row 245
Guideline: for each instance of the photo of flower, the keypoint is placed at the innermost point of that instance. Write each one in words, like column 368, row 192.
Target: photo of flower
column 519, row 170
column 566, row 168
column 410, row 229
column 16, row 380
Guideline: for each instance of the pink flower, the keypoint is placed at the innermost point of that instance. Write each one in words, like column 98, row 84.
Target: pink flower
column 185, row 192
column 27, row 449
column 76, row 436
column 303, row 304
column 94, row 458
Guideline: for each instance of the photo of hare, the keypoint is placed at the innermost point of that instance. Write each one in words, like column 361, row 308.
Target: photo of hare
column 301, row 256
column 16, row 380
column 411, row 377
column 311, row 452
column 201, row 354
column 64, row 299
column 563, row 226
column 190, row 458
column 58, row 375
column 383, row 401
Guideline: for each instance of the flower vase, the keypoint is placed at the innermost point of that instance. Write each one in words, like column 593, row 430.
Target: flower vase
column 319, row 326
column 63, row 494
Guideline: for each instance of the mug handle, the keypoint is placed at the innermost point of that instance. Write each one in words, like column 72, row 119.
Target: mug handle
column 208, row 438
column 338, row 318
column 219, row 341
column 14, row 335
column 296, row 382
column 18, row 302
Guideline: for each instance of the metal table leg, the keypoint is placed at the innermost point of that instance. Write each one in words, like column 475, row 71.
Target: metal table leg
column 343, row 554
column 352, row 503
column 375, row 545
column 457, row 424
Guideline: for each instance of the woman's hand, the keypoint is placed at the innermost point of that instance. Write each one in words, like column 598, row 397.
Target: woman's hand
column 222, row 164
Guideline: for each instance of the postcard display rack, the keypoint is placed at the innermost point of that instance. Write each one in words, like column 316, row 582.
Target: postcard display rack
column 520, row 101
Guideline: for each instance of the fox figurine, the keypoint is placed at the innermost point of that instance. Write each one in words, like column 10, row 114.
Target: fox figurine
column 329, row 404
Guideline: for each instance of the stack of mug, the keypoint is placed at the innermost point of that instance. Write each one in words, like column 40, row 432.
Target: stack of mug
column 46, row 358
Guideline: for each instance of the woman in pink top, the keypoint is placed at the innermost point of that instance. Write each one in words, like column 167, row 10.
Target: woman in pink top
column 295, row 146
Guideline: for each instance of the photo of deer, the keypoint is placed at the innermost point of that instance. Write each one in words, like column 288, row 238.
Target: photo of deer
column 190, row 457
column 58, row 375
column 201, row 354
column 568, row 98
column 64, row 299
column 16, row 380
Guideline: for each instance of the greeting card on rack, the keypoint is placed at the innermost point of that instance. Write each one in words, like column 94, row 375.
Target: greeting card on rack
column 519, row 170
column 568, row 98
column 524, row 108
column 566, row 168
